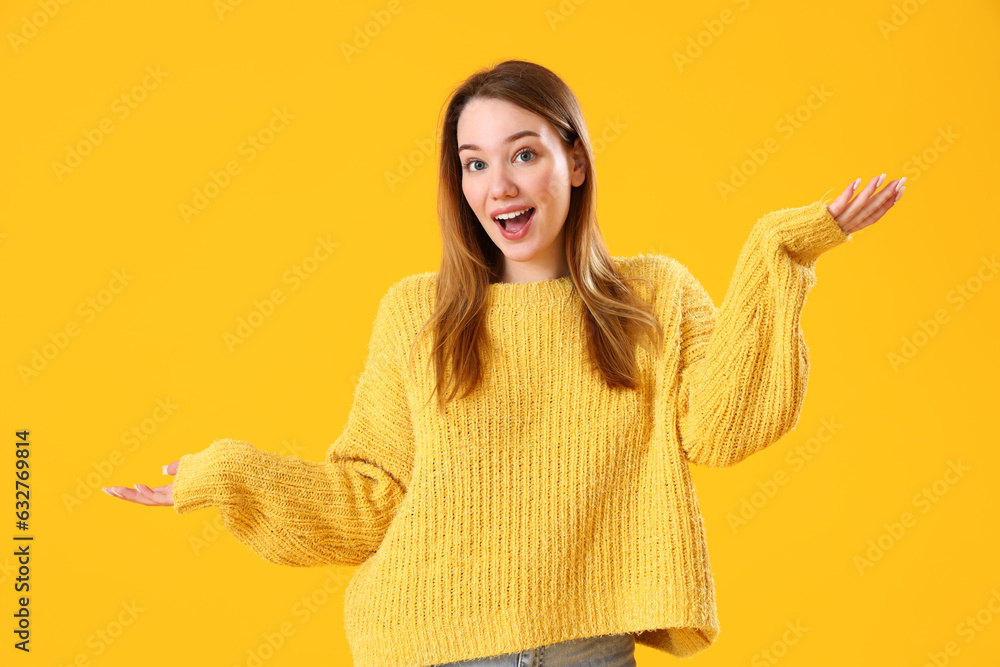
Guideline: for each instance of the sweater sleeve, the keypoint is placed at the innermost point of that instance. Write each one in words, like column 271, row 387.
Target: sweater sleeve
column 744, row 366
column 292, row 511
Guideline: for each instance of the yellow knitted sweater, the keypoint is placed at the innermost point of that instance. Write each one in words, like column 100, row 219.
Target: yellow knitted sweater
column 544, row 506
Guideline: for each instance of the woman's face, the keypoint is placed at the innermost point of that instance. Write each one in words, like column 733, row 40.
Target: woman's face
column 513, row 159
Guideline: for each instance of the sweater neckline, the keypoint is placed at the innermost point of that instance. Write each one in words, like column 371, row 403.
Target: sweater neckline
column 523, row 294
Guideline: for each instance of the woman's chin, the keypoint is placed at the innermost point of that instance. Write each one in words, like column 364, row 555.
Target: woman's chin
column 521, row 252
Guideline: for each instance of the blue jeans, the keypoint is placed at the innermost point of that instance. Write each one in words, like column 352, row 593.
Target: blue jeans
column 604, row 651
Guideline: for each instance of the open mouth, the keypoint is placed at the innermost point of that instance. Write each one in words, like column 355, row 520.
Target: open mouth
column 516, row 223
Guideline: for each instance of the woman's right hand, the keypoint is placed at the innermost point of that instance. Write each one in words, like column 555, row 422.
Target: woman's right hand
column 158, row 496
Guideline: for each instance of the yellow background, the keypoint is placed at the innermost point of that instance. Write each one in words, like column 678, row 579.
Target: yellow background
column 912, row 92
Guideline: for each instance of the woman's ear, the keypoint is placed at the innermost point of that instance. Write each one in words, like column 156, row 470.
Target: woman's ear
column 579, row 159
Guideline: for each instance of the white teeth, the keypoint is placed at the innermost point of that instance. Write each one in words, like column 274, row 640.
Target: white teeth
column 508, row 216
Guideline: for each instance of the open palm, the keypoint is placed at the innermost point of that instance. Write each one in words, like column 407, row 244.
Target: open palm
column 865, row 209
column 157, row 496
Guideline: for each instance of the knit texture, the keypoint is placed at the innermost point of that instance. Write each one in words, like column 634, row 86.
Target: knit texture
column 544, row 506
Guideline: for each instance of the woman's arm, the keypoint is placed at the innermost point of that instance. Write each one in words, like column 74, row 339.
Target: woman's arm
column 745, row 365
column 297, row 512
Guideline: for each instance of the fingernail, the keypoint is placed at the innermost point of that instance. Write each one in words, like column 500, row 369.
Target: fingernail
column 138, row 489
column 165, row 470
column 856, row 184
column 900, row 193
column 880, row 179
column 901, row 183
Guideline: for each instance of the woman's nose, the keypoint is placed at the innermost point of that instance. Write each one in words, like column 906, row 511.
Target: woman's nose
column 502, row 185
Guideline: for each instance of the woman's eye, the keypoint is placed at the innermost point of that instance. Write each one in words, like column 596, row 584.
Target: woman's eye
column 526, row 150
column 468, row 164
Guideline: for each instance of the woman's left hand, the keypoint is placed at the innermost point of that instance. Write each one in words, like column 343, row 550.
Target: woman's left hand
column 865, row 209
column 157, row 496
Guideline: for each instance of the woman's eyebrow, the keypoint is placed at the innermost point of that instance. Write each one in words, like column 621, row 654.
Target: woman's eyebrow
column 513, row 137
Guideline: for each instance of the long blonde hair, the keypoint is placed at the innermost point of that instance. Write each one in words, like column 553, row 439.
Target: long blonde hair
column 614, row 315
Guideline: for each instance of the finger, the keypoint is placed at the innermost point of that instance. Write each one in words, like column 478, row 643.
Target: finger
column 171, row 468
column 838, row 205
column 131, row 495
column 114, row 492
column 878, row 206
column 119, row 492
column 861, row 200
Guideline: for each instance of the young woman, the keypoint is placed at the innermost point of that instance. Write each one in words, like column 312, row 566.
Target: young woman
column 541, row 510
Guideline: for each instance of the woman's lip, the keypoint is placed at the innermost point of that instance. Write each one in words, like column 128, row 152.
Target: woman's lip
column 509, row 209
column 520, row 234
